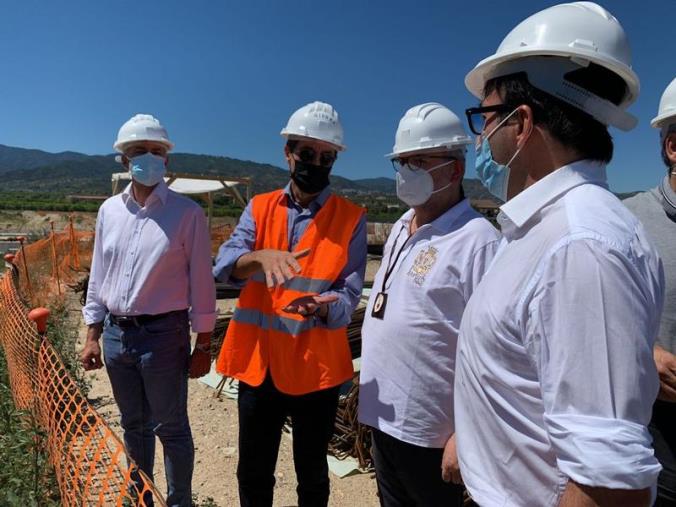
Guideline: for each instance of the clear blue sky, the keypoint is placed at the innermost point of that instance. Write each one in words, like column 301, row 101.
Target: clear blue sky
column 223, row 76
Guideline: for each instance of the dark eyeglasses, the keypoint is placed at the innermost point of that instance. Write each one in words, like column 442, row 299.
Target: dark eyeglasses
column 414, row 163
column 477, row 120
column 308, row 155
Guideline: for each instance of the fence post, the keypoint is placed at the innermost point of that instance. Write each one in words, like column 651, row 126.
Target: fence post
column 74, row 255
column 55, row 260
column 39, row 316
column 25, row 267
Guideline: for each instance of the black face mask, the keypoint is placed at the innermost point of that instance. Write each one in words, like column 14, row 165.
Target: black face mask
column 310, row 178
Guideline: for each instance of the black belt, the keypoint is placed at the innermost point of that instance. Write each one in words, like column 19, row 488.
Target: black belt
column 140, row 320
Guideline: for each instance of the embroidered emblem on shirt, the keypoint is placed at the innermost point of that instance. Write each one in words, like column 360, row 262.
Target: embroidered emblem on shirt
column 422, row 265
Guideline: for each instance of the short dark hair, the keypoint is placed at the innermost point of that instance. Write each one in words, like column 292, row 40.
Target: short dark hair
column 567, row 124
column 291, row 144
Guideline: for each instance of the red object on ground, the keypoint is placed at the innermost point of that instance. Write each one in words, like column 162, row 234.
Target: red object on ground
column 39, row 316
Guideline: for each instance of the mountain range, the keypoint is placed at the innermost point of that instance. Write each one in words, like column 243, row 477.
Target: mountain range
column 77, row 173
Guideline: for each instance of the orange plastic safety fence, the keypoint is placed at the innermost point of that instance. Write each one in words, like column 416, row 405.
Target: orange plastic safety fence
column 73, row 251
column 90, row 462
column 219, row 235
column 66, row 253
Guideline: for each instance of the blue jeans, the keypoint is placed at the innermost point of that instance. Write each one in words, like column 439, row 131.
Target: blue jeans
column 148, row 370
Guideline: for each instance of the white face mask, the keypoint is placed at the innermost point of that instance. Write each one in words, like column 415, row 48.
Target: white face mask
column 147, row 169
column 416, row 186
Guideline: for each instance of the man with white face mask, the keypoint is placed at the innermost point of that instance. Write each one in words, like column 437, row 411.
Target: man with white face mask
column 436, row 254
column 555, row 378
column 150, row 280
column 656, row 209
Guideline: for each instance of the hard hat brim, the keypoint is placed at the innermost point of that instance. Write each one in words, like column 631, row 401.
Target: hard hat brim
column 298, row 137
column 661, row 120
column 475, row 80
column 447, row 147
column 120, row 145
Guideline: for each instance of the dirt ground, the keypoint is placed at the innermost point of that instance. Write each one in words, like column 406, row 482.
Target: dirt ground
column 38, row 222
column 214, row 427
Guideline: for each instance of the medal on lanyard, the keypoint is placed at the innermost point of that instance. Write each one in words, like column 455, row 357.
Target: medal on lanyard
column 379, row 306
column 380, row 303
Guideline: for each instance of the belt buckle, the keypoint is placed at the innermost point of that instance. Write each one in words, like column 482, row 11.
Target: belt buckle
column 126, row 321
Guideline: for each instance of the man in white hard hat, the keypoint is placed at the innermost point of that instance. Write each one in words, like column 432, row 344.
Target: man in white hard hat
column 436, row 254
column 657, row 210
column 300, row 254
column 150, row 281
column 555, row 378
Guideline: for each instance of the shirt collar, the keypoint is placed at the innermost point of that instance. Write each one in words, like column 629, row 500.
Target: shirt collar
column 524, row 206
column 666, row 196
column 316, row 203
column 443, row 222
column 160, row 192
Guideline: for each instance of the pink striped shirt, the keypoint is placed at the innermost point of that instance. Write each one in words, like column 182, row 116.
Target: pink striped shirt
column 152, row 259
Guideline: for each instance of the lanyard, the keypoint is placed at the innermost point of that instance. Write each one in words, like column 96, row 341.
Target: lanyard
column 391, row 265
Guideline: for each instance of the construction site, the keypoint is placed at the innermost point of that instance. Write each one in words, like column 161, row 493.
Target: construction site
column 47, row 258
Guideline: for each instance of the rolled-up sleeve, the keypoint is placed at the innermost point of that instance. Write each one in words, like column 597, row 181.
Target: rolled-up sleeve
column 94, row 310
column 349, row 284
column 202, row 288
column 590, row 325
column 241, row 242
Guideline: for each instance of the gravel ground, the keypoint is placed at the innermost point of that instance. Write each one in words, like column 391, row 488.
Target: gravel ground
column 214, row 426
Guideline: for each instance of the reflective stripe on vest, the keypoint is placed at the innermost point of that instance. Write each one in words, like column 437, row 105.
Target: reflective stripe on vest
column 302, row 354
column 298, row 283
column 274, row 322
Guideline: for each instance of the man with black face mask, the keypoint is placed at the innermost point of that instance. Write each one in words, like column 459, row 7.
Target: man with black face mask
column 300, row 255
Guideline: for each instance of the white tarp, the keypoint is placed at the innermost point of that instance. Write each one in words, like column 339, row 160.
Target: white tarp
column 190, row 186
column 187, row 185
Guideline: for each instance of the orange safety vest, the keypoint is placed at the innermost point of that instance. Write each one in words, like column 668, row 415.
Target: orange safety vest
column 302, row 353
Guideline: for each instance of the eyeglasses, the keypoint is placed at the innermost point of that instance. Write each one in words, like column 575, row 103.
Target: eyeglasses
column 308, row 155
column 417, row 163
column 476, row 119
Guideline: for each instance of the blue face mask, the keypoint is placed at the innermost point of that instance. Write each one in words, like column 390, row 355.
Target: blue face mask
column 147, row 169
column 493, row 176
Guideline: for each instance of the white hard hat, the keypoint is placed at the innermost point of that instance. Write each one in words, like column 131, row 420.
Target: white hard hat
column 429, row 126
column 580, row 33
column 142, row 127
column 316, row 120
column 666, row 113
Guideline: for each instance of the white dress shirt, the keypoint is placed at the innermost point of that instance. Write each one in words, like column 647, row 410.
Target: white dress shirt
column 555, row 376
column 152, row 259
column 408, row 357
